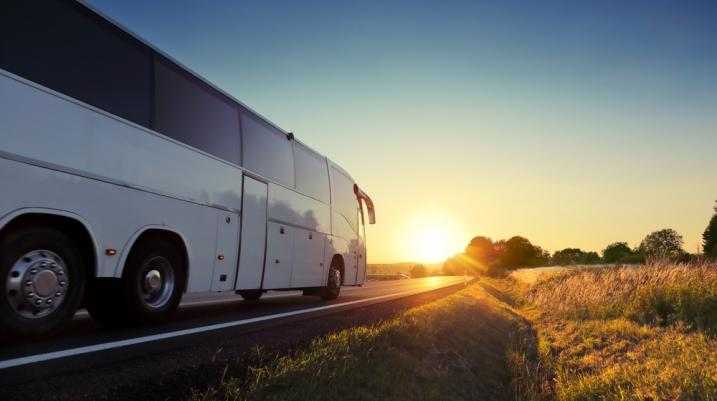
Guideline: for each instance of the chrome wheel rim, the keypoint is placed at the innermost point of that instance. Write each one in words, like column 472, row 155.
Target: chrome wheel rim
column 156, row 282
column 37, row 284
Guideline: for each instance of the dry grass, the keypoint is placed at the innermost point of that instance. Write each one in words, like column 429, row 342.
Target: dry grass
column 624, row 333
column 618, row 333
column 452, row 349
column 657, row 294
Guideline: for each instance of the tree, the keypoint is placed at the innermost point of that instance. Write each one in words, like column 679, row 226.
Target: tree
column 574, row 256
column 481, row 249
column 663, row 245
column 453, row 267
column 709, row 237
column 517, row 252
column 617, row 252
column 483, row 256
column 591, row 258
column 418, row 271
column 542, row 257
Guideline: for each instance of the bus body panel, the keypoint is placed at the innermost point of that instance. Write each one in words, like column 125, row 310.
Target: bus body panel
column 308, row 268
column 120, row 178
column 76, row 138
column 226, row 260
column 147, row 180
column 253, row 235
column 279, row 256
column 290, row 207
column 116, row 215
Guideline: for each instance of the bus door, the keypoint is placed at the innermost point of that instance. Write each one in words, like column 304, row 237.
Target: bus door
column 253, row 234
column 361, row 251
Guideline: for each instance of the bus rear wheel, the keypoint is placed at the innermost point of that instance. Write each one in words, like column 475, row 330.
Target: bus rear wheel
column 250, row 295
column 150, row 289
column 42, row 278
column 333, row 284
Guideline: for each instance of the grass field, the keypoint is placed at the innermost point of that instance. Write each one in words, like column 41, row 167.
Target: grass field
column 631, row 333
column 607, row 333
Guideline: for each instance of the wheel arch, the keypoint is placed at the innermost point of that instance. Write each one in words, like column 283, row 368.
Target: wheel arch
column 79, row 230
column 176, row 237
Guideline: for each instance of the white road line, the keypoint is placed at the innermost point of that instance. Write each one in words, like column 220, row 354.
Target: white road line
column 26, row 360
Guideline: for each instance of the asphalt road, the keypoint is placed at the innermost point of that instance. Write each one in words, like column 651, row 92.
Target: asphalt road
column 203, row 321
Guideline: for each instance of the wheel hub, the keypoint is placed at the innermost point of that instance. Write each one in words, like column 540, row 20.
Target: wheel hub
column 153, row 281
column 46, row 283
column 36, row 284
column 157, row 282
column 335, row 278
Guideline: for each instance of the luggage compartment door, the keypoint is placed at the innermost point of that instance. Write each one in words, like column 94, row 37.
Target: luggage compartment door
column 279, row 256
column 226, row 251
column 308, row 268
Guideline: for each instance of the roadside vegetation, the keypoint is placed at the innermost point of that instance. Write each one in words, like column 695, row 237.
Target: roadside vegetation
column 452, row 349
column 483, row 255
column 620, row 333
column 609, row 333
column 630, row 324
column 621, row 330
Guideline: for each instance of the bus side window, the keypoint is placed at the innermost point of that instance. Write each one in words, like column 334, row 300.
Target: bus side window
column 60, row 45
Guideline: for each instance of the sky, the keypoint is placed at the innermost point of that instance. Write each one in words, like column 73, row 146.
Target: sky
column 572, row 123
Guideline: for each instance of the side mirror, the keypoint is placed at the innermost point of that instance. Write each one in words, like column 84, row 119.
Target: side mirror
column 361, row 195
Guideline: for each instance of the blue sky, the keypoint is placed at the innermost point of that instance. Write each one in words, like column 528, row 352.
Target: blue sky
column 572, row 123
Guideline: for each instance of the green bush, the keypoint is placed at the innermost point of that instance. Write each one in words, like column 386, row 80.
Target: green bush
column 693, row 305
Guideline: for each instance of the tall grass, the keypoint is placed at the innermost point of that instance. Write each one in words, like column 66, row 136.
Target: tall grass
column 627, row 333
column 655, row 294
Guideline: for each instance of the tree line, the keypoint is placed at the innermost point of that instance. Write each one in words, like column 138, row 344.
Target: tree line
column 490, row 256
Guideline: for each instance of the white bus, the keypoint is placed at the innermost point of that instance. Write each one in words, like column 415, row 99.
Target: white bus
column 128, row 180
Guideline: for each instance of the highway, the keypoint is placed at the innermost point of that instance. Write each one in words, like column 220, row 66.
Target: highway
column 206, row 324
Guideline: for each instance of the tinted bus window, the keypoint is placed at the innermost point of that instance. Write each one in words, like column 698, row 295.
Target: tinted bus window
column 312, row 175
column 67, row 48
column 193, row 113
column 267, row 151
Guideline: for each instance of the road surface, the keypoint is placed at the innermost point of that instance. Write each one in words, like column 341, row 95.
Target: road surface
column 204, row 324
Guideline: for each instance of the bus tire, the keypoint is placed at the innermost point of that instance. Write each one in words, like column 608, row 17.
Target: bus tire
column 42, row 274
column 149, row 292
column 251, row 295
column 333, row 283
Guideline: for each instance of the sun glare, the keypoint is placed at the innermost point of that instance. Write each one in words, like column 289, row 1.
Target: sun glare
column 433, row 240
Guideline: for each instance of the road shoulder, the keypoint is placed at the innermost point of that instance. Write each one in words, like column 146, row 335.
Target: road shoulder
column 454, row 348
column 177, row 370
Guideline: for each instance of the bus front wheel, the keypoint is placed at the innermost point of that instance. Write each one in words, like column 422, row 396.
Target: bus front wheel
column 42, row 277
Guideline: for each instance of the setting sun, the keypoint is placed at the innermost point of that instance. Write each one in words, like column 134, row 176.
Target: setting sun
column 434, row 239
column 432, row 245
